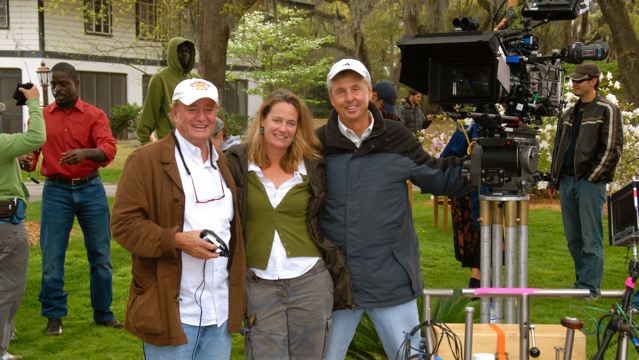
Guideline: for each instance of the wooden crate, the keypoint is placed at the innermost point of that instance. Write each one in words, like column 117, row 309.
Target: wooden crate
column 547, row 336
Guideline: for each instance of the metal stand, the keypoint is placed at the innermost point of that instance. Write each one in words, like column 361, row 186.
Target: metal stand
column 503, row 215
column 620, row 317
column 524, row 296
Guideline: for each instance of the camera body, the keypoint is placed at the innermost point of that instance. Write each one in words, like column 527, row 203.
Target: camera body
column 19, row 96
column 483, row 69
column 211, row 237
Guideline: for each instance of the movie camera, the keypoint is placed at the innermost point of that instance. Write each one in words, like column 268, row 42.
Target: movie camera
column 505, row 67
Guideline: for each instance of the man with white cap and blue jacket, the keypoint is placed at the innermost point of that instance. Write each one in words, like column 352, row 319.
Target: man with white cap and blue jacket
column 366, row 211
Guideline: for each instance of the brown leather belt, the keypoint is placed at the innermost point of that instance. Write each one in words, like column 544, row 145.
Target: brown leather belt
column 76, row 181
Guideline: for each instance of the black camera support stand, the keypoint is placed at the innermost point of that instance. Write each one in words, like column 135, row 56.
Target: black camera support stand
column 620, row 322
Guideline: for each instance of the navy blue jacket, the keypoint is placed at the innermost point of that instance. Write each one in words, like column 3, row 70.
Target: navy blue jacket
column 366, row 211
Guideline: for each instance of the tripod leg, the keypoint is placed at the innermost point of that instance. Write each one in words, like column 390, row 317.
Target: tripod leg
column 622, row 347
column 611, row 330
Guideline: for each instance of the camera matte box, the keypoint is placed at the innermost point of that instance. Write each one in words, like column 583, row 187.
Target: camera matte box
column 623, row 216
column 553, row 10
column 435, row 64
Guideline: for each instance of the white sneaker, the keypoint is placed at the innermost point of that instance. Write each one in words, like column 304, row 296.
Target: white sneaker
column 8, row 356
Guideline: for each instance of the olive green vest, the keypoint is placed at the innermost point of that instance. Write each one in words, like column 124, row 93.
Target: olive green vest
column 289, row 218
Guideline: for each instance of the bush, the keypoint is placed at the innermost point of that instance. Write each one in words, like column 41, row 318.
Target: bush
column 124, row 118
column 234, row 123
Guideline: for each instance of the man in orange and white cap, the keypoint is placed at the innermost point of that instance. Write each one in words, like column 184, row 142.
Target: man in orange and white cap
column 170, row 191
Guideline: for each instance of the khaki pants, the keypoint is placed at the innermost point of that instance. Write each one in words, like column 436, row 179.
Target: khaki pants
column 14, row 257
column 290, row 319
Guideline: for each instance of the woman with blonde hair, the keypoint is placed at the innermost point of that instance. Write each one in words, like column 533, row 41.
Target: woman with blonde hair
column 293, row 270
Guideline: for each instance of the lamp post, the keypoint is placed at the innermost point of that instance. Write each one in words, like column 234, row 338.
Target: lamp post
column 43, row 76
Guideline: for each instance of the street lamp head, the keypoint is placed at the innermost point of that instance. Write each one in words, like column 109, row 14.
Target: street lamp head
column 43, row 74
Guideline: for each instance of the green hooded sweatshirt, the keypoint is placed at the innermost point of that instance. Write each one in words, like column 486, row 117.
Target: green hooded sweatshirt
column 156, row 111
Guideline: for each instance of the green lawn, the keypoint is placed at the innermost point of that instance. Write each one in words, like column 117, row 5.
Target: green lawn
column 111, row 173
column 549, row 261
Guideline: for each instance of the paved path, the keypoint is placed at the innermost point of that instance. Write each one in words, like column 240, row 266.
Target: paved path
column 36, row 190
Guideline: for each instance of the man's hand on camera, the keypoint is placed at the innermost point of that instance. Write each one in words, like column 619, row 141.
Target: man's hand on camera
column 32, row 93
column 26, row 162
column 191, row 243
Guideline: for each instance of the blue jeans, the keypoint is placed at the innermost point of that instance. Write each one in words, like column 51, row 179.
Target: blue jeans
column 214, row 343
column 60, row 205
column 582, row 214
column 392, row 323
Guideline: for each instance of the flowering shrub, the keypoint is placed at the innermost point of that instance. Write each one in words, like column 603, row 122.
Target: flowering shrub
column 435, row 138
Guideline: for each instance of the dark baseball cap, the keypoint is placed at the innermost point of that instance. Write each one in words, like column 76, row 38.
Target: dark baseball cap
column 387, row 91
column 585, row 71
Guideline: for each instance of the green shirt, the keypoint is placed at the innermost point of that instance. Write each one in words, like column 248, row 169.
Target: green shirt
column 289, row 218
column 13, row 145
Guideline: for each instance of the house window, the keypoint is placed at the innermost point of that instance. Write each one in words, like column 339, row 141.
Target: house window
column 4, row 14
column 145, row 85
column 103, row 90
column 236, row 100
column 11, row 117
column 97, row 17
column 146, row 12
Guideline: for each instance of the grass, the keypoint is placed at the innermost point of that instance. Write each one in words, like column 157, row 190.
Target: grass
column 111, row 173
column 550, row 267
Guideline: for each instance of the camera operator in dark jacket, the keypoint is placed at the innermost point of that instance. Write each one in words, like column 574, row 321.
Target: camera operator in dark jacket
column 587, row 149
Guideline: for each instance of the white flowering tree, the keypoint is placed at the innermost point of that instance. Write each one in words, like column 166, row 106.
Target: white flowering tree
column 629, row 164
column 279, row 52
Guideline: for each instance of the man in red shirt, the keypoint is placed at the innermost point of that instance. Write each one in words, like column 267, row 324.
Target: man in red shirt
column 79, row 142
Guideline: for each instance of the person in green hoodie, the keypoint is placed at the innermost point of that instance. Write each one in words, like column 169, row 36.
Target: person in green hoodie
column 14, row 240
column 180, row 60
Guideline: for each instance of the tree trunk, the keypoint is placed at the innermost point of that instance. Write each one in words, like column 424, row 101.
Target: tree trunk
column 626, row 45
column 412, row 13
column 214, row 37
column 491, row 7
column 214, row 34
column 583, row 31
column 359, row 8
column 437, row 14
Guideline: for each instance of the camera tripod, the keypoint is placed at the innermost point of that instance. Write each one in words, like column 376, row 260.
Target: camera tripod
column 620, row 322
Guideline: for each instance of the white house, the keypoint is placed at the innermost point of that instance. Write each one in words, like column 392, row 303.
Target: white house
column 114, row 56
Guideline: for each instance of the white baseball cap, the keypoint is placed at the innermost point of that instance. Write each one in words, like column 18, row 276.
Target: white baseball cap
column 192, row 90
column 348, row 64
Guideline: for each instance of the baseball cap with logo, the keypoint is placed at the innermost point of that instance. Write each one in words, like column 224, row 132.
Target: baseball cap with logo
column 348, row 64
column 192, row 90
column 585, row 71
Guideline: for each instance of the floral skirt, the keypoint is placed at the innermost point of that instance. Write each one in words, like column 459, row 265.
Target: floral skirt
column 466, row 236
